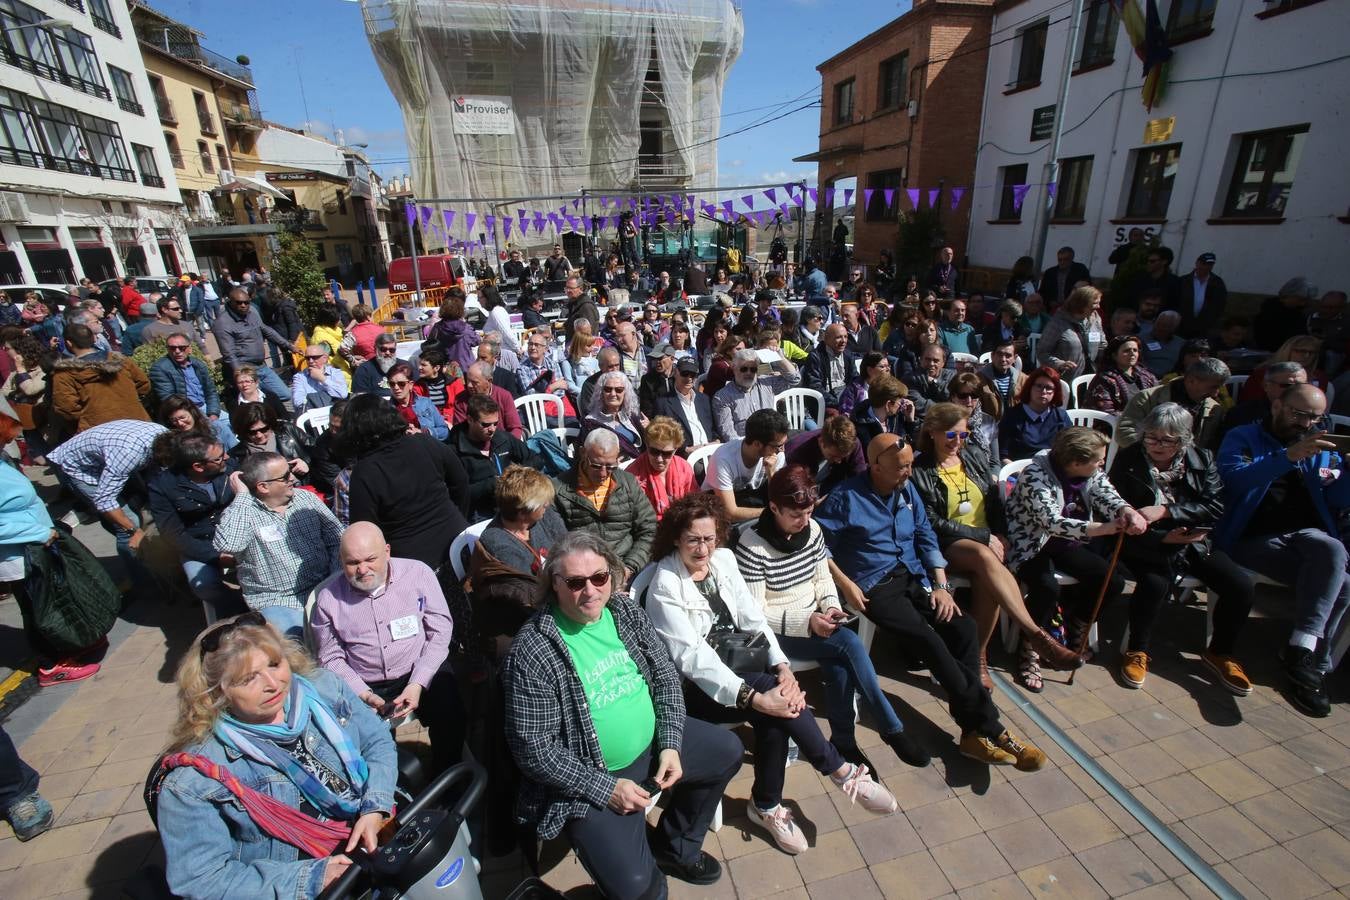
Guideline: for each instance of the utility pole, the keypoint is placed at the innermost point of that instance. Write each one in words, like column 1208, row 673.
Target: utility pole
column 1052, row 166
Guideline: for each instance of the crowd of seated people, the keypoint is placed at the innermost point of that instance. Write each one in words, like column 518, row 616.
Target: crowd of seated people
column 654, row 567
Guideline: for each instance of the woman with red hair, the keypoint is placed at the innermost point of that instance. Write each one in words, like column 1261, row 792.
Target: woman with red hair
column 1032, row 423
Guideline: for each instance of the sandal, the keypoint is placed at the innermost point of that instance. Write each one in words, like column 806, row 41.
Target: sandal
column 1029, row 670
column 985, row 681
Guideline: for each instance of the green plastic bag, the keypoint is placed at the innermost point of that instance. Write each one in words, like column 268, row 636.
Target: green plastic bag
column 75, row 602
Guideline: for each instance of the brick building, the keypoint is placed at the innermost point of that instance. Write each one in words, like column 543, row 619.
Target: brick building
column 902, row 110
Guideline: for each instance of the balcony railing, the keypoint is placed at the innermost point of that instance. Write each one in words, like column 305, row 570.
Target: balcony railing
column 191, row 52
column 74, row 4
column 131, row 106
column 152, row 180
column 207, row 124
column 166, row 113
column 35, row 160
column 176, row 158
column 104, row 24
column 239, row 113
column 44, row 70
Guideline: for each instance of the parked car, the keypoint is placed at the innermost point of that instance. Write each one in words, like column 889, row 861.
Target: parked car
column 52, row 293
column 146, row 284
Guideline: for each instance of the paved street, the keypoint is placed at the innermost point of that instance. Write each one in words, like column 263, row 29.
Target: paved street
column 1255, row 789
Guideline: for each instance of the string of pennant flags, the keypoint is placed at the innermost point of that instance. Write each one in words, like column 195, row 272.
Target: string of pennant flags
column 671, row 209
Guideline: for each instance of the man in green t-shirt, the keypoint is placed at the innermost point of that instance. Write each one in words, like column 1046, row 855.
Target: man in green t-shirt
column 596, row 722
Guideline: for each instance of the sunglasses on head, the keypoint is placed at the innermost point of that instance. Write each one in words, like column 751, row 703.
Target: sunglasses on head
column 576, row 583
column 210, row 641
column 802, row 498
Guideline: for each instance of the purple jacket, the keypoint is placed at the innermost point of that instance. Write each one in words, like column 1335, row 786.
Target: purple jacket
column 458, row 340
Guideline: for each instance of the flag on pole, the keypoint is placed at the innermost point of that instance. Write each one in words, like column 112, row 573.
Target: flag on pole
column 1149, row 39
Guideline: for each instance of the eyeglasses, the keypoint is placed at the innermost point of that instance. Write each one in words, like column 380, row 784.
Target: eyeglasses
column 261, row 429
column 602, row 466
column 1160, row 440
column 612, row 390
column 400, row 383
column 210, row 641
column 289, row 478
column 216, row 460
column 173, row 309
column 1304, row 415
column 391, row 349
column 695, row 540
column 177, row 348
column 660, row 454
column 576, row 583
column 316, row 356
column 747, row 369
column 963, row 396
column 957, row 435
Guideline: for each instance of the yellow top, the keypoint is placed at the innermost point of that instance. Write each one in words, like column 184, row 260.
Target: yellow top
column 961, row 489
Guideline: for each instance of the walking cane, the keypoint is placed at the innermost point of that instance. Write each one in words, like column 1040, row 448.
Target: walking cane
column 1101, row 598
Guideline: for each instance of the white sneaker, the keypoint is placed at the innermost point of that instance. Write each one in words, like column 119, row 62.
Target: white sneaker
column 872, row 794
column 778, row 822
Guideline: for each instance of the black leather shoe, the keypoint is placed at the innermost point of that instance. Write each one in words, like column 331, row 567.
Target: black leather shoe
column 1312, row 702
column 1300, row 664
column 908, row 749
column 705, row 870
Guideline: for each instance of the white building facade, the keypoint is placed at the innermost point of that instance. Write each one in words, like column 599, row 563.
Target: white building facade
column 1244, row 156
column 86, row 184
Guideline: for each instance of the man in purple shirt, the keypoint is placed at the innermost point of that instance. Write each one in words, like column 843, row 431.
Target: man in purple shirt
column 382, row 625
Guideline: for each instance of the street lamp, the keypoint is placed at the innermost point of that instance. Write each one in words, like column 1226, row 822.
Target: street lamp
column 41, row 23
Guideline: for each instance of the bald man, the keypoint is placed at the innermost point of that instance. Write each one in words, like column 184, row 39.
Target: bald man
column 382, row 626
column 1285, row 487
column 890, row 568
column 478, row 380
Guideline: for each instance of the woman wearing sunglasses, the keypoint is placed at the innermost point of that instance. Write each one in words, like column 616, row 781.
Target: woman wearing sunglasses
column 983, row 409
column 595, row 723
column 663, row 475
column 696, row 597
column 276, row 769
column 614, row 407
column 960, row 494
column 260, row 431
column 783, row 559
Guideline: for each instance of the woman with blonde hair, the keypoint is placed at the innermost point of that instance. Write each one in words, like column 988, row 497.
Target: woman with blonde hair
column 511, row 552
column 1305, row 350
column 960, row 492
column 581, row 361
column 274, row 767
column 661, row 472
column 1066, row 343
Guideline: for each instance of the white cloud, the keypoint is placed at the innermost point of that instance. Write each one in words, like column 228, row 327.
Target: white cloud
column 735, row 163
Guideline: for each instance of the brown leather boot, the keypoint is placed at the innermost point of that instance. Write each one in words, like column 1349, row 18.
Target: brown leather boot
column 1053, row 654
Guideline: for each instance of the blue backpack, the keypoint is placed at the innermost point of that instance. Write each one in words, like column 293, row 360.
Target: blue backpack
column 546, row 444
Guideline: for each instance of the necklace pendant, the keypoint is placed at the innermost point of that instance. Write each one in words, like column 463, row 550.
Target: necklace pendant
column 964, row 508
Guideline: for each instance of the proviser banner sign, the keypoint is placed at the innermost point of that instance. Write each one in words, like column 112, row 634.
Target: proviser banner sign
column 483, row 115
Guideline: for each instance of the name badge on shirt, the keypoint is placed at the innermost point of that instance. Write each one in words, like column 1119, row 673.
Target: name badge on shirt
column 405, row 627
column 270, row 533
column 1155, row 346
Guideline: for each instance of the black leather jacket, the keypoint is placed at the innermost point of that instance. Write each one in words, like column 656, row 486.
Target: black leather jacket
column 933, row 490
column 1199, row 503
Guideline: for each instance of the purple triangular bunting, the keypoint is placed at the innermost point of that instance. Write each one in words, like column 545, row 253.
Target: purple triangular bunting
column 957, row 194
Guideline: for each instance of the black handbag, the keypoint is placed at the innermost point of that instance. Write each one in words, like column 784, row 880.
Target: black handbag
column 742, row 651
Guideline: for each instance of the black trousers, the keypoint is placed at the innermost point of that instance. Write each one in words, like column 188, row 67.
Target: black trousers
column 1084, row 564
column 771, row 738
column 440, row 709
column 1220, row 574
column 950, row 650
column 615, row 848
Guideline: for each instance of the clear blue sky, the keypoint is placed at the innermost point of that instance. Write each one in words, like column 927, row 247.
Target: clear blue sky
column 784, row 42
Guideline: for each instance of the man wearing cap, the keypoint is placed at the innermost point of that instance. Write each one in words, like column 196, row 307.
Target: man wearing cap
column 689, row 406
column 765, row 314
column 660, row 378
column 1202, row 306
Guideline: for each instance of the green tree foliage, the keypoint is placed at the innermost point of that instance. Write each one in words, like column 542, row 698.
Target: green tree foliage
column 920, row 234
column 146, row 355
column 295, row 271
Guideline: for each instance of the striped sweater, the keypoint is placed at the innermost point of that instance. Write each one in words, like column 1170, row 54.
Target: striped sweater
column 790, row 586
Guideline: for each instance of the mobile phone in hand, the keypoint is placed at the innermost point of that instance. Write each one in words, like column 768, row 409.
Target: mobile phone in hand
column 843, row 618
column 649, row 785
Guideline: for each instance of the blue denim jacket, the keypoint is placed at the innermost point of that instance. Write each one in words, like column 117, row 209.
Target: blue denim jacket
column 212, row 847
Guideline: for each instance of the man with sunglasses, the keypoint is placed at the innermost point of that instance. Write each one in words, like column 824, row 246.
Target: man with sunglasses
column 284, row 542
column 595, row 495
column 747, row 393
column 1285, row 487
column 689, row 406
column 487, row 450
column 168, row 319
column 240, row 335
column 187, row 500
column 319, row 383
column 179, row 372
column 372, row 376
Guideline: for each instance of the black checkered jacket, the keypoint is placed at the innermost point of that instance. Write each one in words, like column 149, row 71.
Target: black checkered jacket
column 548, row 724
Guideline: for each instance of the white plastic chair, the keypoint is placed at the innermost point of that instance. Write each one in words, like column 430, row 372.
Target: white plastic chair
column 1032, row 340
column 314, row 421
column 701, row 457
column 1090, row 418
column 792, row 403
column 985, row 357
column 623, row 466
column 1078, row 390
column 464, row 544
column 1339, row 424
column 534, row 414
column 1235, row 384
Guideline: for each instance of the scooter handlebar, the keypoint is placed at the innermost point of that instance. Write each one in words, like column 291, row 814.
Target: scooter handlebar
column 342, row 887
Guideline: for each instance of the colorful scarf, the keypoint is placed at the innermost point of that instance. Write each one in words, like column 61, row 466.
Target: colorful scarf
column 259, row 743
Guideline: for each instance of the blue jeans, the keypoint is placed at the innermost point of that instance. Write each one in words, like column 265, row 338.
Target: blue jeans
column 17, row 778
column 286, row 619
column 208, row 584
column 847, row 668
column 140, row 577
column 224, row 433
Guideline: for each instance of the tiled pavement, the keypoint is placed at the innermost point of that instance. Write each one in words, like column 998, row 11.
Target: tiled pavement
column 1257, row 790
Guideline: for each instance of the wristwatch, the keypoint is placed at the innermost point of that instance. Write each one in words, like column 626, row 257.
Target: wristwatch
column 743, row 696
column 944, row 586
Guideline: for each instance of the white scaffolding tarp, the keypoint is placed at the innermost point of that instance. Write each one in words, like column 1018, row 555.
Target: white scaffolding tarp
column 546, row 97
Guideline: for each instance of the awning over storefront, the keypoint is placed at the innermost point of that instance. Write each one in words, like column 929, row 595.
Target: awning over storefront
column 253, row 186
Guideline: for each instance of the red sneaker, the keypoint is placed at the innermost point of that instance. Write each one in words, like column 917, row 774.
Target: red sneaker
column 66, row 671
